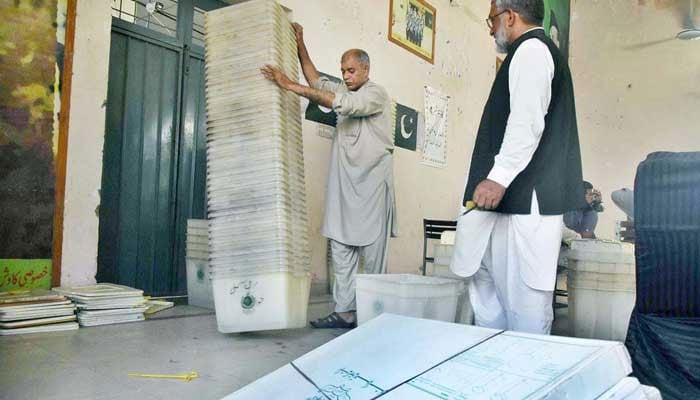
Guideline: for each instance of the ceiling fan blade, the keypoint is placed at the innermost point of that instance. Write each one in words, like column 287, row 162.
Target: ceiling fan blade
column 689, row 34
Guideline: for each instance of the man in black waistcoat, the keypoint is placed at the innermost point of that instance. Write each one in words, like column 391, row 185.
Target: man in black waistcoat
column 525, row 173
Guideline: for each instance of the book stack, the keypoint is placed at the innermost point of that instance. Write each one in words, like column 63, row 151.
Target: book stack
column 106, row 303
column 34, row 311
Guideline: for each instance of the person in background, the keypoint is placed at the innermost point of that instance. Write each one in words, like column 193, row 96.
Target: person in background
column 584, row 220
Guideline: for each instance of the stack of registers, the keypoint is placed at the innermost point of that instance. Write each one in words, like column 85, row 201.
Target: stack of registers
column 34, row 311
column 106, row 303
column 259, row 253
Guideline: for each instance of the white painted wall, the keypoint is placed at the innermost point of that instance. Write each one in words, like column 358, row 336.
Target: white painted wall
column 632, row 99
column 618, row 124
column 85, row 141
column 464, row 69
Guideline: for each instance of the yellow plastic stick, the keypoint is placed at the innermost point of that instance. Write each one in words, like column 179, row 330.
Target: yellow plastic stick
column 186, row 377
column 469, row 205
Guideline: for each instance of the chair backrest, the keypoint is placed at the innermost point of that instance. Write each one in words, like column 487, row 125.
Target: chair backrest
column 433, row 228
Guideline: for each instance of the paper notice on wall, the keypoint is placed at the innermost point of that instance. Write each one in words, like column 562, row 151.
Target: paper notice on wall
column 435, row 140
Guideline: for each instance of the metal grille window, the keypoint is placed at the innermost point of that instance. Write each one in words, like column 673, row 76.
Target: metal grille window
column 160, row 16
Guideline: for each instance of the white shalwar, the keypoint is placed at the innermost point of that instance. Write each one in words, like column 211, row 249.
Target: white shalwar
column 512, row 258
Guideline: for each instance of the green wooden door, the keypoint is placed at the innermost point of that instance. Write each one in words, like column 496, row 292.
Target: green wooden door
column 154, row 170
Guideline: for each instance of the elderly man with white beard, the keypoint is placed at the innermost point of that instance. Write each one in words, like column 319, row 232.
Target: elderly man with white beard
column 525, row 173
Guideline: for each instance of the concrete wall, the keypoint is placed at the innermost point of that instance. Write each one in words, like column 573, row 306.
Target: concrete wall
column 85, row 141
column 637, row 89
column 464, row 69
column 631, row 100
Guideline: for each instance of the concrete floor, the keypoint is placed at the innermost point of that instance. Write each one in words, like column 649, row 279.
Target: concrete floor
column 93, row 363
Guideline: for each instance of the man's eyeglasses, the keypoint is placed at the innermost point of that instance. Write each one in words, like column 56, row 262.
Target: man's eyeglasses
column 489, row 20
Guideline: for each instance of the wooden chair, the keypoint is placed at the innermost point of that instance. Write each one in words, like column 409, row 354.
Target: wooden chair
column 432, row 229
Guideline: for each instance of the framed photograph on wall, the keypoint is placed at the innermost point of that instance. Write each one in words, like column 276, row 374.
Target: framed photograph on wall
column 412, row 26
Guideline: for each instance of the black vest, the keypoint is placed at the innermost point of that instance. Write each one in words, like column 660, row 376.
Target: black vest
column 555, row 169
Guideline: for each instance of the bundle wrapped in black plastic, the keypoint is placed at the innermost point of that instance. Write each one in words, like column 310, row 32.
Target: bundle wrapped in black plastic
column 664, row 331
column 667, row 223
column 665, row 353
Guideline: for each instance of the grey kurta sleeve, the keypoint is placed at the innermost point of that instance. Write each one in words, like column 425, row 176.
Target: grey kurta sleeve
column 323, row 83
column 362, row 103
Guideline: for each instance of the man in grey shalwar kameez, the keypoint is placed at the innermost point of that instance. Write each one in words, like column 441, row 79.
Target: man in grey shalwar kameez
column 359, row 214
